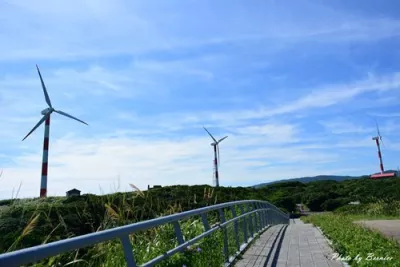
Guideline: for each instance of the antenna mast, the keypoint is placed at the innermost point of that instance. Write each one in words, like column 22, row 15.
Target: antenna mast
column 377, row 138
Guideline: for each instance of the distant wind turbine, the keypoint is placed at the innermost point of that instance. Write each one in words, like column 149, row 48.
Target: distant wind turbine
column 46, row 117
column 377, row 139
column 215, row 144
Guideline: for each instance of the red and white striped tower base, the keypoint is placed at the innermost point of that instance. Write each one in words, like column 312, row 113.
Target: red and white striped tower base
column 43, row 181
column 379, row 152
column 216, row 166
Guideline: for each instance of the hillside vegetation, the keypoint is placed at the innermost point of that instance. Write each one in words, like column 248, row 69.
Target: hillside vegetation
column 317, row 178
column 29, row 222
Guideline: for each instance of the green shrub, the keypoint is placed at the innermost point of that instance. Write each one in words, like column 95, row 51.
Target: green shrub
column 332, row 204
column 350, row 240
column 375, row 209
column 61, row 217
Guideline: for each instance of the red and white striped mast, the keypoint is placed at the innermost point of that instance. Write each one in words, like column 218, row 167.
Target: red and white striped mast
column 377, row 138
column 46, row 118
column 215, row 165
column 216, row 156
column 45, row 158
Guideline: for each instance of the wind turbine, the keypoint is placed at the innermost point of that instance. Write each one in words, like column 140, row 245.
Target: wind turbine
column 377, row 139
column 216, row 155
column 46, row 117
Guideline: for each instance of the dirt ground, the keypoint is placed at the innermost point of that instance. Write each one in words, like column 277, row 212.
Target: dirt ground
column 390, row 228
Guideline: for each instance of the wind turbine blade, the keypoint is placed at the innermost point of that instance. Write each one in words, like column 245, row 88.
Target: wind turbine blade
column 69, row 116
column 219, row 141
column 377, row 128
column 379, row 134
column 210, row 134
column 44, row 88
column 37, row 125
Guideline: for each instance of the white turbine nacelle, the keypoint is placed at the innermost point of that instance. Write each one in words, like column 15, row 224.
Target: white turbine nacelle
column 213, row 144
column 46, row 111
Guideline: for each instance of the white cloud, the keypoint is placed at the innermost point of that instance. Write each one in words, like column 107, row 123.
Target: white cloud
column 388, row 114
column 86, row 163
column 342, row 126
column 333, row 94
column 101, row 28
column 314, row 98
column 271, row 133
column 355, row 143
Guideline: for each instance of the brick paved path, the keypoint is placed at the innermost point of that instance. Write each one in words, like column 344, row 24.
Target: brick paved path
column 296, row 244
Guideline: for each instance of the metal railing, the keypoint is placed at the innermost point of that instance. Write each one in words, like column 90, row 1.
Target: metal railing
column 256, row 216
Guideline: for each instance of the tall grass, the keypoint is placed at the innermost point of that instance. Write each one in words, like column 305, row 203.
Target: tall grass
column 379, row 208
column 351, row 239
column 55, row 219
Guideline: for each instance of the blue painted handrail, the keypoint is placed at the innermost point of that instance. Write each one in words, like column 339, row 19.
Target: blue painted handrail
column 258, row 215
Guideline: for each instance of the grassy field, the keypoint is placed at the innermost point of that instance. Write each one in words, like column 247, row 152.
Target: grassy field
column 29, row 222
column 355, row 242
column 42, row 221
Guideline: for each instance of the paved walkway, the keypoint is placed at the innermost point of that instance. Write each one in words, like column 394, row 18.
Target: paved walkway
column 296, row 244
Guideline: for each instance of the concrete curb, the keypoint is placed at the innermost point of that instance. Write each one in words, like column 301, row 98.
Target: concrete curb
column 345, row 264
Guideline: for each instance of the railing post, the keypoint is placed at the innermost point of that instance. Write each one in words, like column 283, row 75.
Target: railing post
column 242, row 211
column 178, row 232
column 205, row 222
column 261, row 212
column 256, row 226
column 235, row 225
column 128, row 251
column 226, row 250
column 250, row 221
column 259, row 223
column 272, row 215
column 265, row 214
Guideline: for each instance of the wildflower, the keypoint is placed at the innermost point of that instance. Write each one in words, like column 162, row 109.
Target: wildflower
column 184, row 265
column 198, row 249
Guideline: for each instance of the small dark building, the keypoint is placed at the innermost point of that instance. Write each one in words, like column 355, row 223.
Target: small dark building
column 73, row 193
column 154, row 186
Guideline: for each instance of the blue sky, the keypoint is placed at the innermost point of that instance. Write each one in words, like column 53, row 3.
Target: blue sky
column 296, row 87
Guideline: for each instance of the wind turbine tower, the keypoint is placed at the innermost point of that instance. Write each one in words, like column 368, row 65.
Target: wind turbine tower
column 377, row 138
column 215, row 144
column 46, row 118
